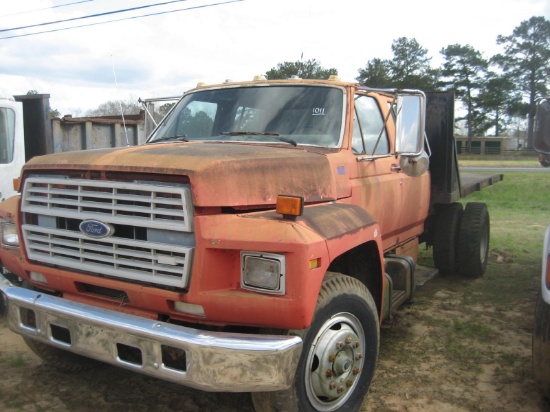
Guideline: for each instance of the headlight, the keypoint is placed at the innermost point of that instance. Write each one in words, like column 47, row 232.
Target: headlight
column 263, row 272
column 9, row 234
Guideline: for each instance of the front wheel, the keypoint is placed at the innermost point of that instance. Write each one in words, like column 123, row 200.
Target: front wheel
column 339, row 353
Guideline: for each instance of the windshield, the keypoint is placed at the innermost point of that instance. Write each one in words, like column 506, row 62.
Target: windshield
column 7, row 130
column 303, row 115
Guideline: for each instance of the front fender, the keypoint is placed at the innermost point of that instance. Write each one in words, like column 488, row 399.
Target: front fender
column 323, row 233
column 343, row 226
column 10, row 257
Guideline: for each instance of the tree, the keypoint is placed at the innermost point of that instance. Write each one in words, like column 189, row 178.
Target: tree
column 498, row 100
column 310, row 69
column 53, row 112
column 376, row 74
column 113, row 108
column 410, row 65
column 526, row 60
column 165, row 108
column 464, row 70
column 409, row 68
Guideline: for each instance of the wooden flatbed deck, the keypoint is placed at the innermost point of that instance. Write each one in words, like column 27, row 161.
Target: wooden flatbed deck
column 473, row 182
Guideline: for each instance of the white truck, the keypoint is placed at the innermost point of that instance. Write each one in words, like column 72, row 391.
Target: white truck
column 541, row 333
column 12, row 145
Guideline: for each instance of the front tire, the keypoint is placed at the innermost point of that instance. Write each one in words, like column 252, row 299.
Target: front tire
column 339, row 353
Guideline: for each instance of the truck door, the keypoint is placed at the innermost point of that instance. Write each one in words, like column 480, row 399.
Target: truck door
column 378, row 187
column 12, row 149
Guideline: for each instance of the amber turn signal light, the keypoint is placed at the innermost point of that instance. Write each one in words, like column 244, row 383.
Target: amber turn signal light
column 290, row 206
column 16, row 184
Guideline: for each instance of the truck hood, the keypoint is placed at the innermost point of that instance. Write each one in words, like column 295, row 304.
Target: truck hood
column 221, row 174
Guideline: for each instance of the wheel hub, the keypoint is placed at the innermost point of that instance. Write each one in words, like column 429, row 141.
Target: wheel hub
column 335, row 361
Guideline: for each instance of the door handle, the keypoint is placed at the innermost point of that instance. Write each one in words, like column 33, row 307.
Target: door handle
column 395, row 168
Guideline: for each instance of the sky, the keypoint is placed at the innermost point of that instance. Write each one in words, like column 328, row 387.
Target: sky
column 215, row 40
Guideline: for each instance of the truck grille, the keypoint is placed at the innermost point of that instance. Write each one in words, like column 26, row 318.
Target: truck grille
column 153, row 239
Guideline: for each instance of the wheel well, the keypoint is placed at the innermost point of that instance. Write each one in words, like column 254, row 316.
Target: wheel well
column 362, row 263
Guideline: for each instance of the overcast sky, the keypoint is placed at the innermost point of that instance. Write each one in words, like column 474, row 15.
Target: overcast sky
column 165, row 55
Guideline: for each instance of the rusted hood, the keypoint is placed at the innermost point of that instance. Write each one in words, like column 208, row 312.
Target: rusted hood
column 221, row 174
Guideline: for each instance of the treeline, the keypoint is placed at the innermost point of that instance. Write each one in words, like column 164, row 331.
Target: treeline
column 494, row 90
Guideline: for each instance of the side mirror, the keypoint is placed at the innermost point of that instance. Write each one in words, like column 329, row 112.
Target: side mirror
column 411, row 114
column 542, row 127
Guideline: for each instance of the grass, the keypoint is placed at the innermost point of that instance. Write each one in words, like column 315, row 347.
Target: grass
column 16, row 360
column 498, row 161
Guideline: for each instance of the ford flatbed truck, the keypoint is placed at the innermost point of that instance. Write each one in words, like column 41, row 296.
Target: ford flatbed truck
column 255, row 243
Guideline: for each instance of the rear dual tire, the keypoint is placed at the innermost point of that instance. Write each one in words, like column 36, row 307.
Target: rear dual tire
column 461, row 239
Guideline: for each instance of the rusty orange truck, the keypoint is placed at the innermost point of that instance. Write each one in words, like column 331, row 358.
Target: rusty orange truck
column 255, row 243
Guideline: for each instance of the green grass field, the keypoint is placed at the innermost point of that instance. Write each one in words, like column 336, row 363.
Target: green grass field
column 498, row 161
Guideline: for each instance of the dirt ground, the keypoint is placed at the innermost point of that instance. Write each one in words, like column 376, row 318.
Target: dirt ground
column 430, row 360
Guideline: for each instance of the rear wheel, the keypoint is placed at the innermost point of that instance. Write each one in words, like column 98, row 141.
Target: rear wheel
column 339, row 353
column 473, row 240
column 445, row 239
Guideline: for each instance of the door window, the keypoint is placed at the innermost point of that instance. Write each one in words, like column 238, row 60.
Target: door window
column 369, row 132
column 7, row 133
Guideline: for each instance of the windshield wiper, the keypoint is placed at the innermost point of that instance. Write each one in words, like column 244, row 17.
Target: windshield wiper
column 177, row 137
column 270, row 134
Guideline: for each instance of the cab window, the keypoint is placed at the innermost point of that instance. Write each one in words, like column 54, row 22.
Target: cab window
column 369, row 132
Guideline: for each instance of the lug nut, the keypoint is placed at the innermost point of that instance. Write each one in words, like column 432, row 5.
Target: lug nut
column 331, row 357
column 356, row 371
column 340, row 389
column 339, row 345
column 349, row 340
column 349, row 382
column 329, row 373
column 332, row 385
column 356, row 344
column 358, row 356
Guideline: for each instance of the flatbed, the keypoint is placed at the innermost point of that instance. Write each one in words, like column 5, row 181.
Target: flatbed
column 473, row 182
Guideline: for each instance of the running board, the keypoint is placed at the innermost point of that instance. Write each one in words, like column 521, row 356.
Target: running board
column 399, row 283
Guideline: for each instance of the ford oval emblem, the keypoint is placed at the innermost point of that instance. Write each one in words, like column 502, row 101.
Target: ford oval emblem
column 96, row 229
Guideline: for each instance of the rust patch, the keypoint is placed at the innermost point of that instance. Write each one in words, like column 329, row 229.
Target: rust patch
column 337, row 219
column 221, row 174
column 8, row 208
column 330, row 221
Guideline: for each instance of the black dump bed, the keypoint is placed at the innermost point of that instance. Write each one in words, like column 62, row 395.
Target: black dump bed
column 448, row 184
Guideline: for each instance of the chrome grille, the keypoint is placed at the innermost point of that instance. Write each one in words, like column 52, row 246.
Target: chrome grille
column 153, row 240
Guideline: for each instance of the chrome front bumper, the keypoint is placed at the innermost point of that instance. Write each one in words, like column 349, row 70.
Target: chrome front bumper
column 214, row 361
